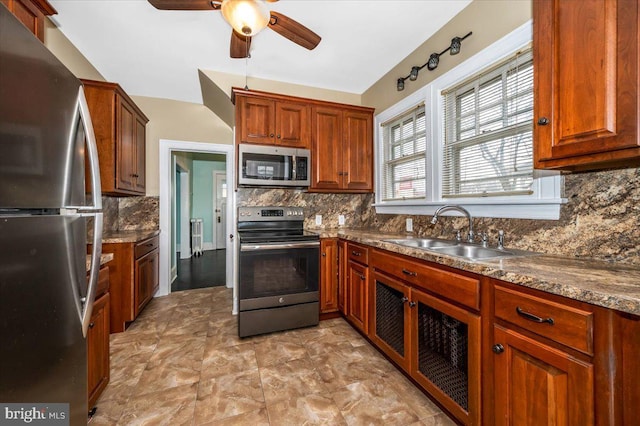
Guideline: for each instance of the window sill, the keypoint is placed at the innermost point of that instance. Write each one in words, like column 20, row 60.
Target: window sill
column 526, row 209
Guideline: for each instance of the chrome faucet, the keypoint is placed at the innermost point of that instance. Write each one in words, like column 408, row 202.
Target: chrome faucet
column 462, row 210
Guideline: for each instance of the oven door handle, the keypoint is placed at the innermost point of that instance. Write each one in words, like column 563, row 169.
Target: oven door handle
column 279, row 246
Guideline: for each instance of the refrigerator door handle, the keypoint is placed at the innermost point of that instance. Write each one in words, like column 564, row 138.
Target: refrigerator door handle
column 92, row 150
column 96, row 252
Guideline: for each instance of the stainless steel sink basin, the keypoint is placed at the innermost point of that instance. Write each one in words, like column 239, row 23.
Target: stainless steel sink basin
column 475, row 252
column 424, row 243
column 458, row 249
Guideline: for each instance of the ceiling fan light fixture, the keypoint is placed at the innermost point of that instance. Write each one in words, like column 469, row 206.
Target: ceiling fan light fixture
column 247, row 17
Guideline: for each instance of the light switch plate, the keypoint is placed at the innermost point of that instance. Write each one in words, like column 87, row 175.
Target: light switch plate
column 340, row 219
column 409, row 225
column 318, row 219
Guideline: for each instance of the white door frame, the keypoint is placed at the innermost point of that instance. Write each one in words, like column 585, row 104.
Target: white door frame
column 215, row 176
column 167, row 147
column 185, row 208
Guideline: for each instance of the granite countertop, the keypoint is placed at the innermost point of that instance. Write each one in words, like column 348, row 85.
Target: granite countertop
column 128, row 236
column 610, row 285
column 104, row 258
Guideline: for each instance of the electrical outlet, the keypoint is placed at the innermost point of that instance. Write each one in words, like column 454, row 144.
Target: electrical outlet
column 340, row 219
column 318, row 219
column 409, row 225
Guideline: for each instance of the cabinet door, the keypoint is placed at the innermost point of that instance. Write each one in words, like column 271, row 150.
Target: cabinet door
column 390, row 318
column 328, row 275
column 140, row 143
column 146, row 280
column 257, row 120
column 126, row 145
column 293, row 126
column 445, row 354
column 358, row 296
column 539, row 385
column 326, row 158
column 29, row 14
column 586, row 82
column 343, row 267
column 358, row 151
column 98, row 349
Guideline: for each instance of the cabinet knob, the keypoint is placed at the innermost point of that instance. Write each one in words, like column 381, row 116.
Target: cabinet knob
column 91, row 325
column 543, row 121
column 404, row 299
column 497, row 348
column 324, row 254
column 278, row 136
column 271, row 135
column 412, row 304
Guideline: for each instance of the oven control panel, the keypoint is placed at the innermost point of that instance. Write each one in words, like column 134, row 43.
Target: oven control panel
column 253, row 214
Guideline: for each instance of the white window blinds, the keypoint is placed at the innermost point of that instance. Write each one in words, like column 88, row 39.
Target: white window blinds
column 488, row 141
column 405, row 143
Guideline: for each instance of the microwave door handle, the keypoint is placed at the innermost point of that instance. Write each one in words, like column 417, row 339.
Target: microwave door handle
column 294, row 170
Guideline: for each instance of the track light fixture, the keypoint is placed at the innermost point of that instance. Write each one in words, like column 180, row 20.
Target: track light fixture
column 433, row 61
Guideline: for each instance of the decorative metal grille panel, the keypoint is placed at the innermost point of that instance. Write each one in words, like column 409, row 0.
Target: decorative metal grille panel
column 390, row 316
column 443, row 353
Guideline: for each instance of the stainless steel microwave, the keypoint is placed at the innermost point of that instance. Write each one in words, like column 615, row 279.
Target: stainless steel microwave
column 264, row 165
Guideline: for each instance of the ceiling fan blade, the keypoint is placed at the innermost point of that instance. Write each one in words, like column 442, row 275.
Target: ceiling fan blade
column 185, row 4
column 294, row 31
column 240, row 45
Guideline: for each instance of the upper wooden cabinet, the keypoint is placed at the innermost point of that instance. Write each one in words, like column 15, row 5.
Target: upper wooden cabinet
column 586, row 84
column 31, row 13
column 342, row 149
column 274, row 121
column 120, row 129
column 340, row 136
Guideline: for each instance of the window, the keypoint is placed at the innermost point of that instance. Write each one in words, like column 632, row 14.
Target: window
column 404, row 157
column 488, row 140
column 467, row 138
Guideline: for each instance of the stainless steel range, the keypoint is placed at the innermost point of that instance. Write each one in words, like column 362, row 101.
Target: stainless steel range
column 278, row 277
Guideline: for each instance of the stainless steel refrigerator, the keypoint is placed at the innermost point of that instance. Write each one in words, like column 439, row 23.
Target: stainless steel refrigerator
column 45, row 212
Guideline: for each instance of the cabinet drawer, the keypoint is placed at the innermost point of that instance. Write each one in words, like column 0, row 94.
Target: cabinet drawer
column 566, row 325
column 460, row 288
column 358, row 253
column 146, row 246
column 103, row 282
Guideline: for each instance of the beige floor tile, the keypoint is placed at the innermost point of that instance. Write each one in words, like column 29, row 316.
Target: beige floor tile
column 223, row 360
column 274, row 352
column 228, row 396
column 173, row 406
column 182, row 362
column 373, row 402
column 252, row 418
column 290, row 380
column 305, row 410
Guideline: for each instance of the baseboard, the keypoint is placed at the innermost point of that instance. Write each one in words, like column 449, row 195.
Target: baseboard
column 208, row 246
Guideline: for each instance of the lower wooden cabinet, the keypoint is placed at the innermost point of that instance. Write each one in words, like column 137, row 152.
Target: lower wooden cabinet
column 357, row 296
column 536, row 384
column 328, row 275
column 134, row 277
column 98, row 341
column 147, row 281
column 98, row 349
column 342, row 277
column 435, row 342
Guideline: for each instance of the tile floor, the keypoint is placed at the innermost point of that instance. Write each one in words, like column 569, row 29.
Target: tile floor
column 182, row 363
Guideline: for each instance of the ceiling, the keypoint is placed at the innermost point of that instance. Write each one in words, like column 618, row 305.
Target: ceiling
column 158, row 53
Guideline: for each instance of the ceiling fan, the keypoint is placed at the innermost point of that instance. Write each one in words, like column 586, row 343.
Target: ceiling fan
column 247, row 17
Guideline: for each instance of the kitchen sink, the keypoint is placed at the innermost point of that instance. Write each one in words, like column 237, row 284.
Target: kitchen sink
column 459, row 249
column 422, row 242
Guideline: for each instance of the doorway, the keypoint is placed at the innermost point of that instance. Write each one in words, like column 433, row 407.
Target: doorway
column 168, row 186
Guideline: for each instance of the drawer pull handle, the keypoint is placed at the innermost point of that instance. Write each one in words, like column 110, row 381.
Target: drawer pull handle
column 410, row 273
column 534, row 318
column 362, row 277
column 356, row 253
